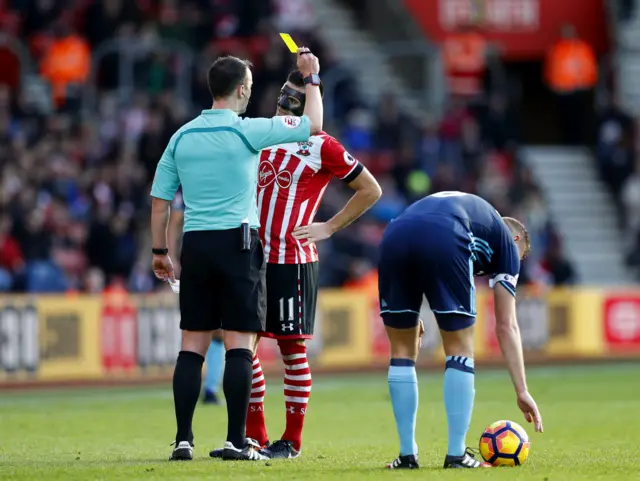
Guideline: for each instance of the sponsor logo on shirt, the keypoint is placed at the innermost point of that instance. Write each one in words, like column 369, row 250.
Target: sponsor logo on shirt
column 304, row 149
column 267, row 174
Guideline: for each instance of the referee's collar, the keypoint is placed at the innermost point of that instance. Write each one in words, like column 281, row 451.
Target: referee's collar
column 219, row 112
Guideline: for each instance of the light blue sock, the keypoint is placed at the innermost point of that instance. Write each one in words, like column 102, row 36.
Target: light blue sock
column 214, row 366
column 459, row 392
column 403, row 387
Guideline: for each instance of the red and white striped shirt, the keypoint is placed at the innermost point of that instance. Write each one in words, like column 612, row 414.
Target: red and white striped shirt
column 292, row 179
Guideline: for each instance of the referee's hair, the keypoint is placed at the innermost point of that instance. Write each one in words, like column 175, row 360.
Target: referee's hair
column 296, row 78
column 518, row 228
column 225, row 74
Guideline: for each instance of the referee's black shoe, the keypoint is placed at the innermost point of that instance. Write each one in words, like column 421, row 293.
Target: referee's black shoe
column 217, row 453
column 182, row 452
column 248, row 453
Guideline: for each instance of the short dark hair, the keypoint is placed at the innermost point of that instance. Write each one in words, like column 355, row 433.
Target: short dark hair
column 518, row 228
column 225, row 74
column 296, row 78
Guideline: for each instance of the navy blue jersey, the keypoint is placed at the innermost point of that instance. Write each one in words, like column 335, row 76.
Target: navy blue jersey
column 494, row 252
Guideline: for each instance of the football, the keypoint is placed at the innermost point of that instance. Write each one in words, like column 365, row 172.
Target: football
column 504, row 443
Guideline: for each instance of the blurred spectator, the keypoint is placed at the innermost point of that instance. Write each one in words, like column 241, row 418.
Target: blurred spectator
column 571, row 72
column 429, row 146
column 631, row 202
column 357, row 136
column 66, row 64
column 615, row 146
column 626, row 9
column 294, row 15
column 633, row 258
column 104, row 19
column 11, row 260
column 94, row 282
column 559, row 270
column 40, row 15
column 465, row 61
column 391, row 124
column 500, row 123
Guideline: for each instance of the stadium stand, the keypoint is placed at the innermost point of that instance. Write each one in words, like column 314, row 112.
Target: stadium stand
column 76, row 165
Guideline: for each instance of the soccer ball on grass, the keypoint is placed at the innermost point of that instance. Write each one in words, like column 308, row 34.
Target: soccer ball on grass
column 504, row 443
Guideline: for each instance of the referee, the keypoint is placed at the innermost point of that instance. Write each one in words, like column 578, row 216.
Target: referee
column 215, row 160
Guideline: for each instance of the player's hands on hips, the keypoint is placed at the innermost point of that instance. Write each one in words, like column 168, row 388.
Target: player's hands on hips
column 312, row 233
column 307, row 62
column 530, row 410
column 420, row 331
column 163, row 268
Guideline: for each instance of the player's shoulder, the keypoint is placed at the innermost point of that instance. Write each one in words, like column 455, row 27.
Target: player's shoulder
column 327, row 141
column 310, row 151
column 325, row 137
column 326, row 150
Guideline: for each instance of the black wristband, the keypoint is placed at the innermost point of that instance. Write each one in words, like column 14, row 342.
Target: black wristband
column 160, row 252
column 312, row 79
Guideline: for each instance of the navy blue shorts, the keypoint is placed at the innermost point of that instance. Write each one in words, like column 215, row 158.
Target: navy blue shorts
column 428, row 256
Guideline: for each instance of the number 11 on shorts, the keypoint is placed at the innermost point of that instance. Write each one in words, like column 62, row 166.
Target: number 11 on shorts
column 289, row 309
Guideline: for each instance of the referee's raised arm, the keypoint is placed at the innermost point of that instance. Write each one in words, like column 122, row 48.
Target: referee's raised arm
column 284, row 129
column 215, row 159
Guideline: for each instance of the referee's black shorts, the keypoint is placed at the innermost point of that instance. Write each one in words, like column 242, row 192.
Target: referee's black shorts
column 220, row 285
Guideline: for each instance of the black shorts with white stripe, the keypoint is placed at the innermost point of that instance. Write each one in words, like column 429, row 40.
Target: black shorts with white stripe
column 292, row 294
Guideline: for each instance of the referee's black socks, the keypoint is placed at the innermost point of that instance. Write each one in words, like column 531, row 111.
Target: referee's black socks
column 187, row 379
column 238, row 374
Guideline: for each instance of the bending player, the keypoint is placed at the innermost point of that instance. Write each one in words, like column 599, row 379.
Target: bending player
column 214, row 362
column 436, row 247
column 291, row 181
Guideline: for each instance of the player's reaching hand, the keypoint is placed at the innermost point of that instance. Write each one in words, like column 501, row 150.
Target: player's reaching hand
column 163, row 268
column 530, row 410
column 313, row 232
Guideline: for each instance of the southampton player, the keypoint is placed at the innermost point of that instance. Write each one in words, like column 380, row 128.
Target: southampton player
column 292, row 179
column 436, row 247
column 214, row 362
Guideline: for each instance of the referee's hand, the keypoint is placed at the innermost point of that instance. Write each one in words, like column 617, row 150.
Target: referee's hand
column 163, row 268
column 307, row 63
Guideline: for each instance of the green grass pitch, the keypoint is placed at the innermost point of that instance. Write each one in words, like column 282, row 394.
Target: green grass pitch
column 592, row 431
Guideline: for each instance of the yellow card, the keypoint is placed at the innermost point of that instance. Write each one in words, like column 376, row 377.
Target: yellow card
column 286, row 38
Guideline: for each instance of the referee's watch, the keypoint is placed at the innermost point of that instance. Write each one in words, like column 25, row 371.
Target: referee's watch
column 160, row 252
column 313, row 79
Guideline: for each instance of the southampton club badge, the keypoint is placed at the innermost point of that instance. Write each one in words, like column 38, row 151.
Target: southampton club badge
column 304, row 149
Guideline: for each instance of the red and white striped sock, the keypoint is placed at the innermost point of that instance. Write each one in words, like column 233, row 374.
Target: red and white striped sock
column 256, row 426
column 297, row 389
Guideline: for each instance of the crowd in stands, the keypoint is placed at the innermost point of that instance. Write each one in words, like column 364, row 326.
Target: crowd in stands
column 617, row 151
column 75, row 177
